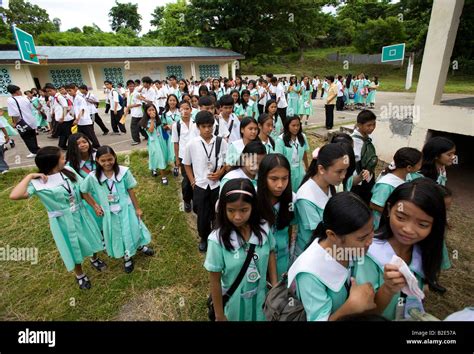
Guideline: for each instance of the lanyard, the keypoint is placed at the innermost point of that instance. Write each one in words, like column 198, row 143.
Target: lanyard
column 208, row 154
column 68, row 188
column 348, row 283
column 110, row 187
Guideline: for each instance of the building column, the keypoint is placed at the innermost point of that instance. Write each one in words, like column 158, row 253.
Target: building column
column 193, row 70
column 90, row 70
column 29, row 77
column 232, row 68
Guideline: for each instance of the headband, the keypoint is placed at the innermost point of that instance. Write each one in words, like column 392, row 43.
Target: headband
column 238, row 191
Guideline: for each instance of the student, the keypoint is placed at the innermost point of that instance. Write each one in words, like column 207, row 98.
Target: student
column 232, row 122
column 61, row 115
column 184, row 131
column 207, row 103
column 324, row 88
column 45, row 108
column 330, row 102
column 116, row 111
column 182, row 89
column 248, row 106
column 74, row 231
column 406, row 160
column 271, row 110
column 134, row 107
column 203, row 91
column 412, row 227
column 280, row 99
column 305, row 106
column 148, row 93
column 170, row 115
column 327, row 169
column 252, row 87
column 248, row 133
column 251, row 157
column 217, row 91
column 161, row 95
column 82, row 116
column 365, row 154
column 294, row 92
column 265, row 128
column 276, row 203
column 123, row 228
column 263, row 96
column 36, row 110
column 240, row 229
column 316, row 83
column 156, row 144
column 4, row 139
column 362, row 85
column 239, row 86
column 438, row 153
column 93, row 104
column 374, row 85
column 10, row 131
column 340, row 94
column 19, row 109
column 238, row 111
column 173, row 88
column 204, row 164
column 294, row 146
column 324, row 273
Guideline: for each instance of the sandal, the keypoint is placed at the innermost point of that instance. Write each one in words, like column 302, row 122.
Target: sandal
column 98, row 264
column 128, row 266
column 84, row 283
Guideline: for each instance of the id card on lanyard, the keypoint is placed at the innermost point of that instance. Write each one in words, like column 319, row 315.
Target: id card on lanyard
column 210, row 165
column 112, row 197
column 71, row 198
column 295, row 161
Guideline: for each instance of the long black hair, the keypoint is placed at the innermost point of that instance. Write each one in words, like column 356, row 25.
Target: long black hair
column 246, row 121
column 287, row 134
column 167, row 105
column 73, row 155
column 244, row 104
column 146, row 117
column 404, row 157
column 286, row 211
column 348, row 144
column 238, row 100
column 433, row 148
column 262, row 118
column 230, row 194
column 344, row 213
column 47, row 159
column 253, row 148
column 424, row 193
column 103, row 150
column 327, row 156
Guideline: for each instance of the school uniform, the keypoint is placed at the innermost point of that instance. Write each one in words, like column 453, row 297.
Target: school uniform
column 293, row 101
column 64, row 128
column 10, row 130
column 238, row 110
column 282, row 103
column 40, row 122
column 262, row 101
column 233, row 127
column 310, row 204
column 157, row 149
column 294, row 154
column 137, row 115
column 75, row 232
column 364, row 188
column 371, row 270
column 169, row 118
column 123, row 231
column 220, row 127
column 254, row 101
column 237, row 173
column 115, row 118
column 269, row 146
column 161, row 99
column 246, row 304
column 305, row 106
column 277, row 128
column 325, row 89
column 384, row 186
column 234, row 151
column 322, row 283
column 201, row 156
column 20, row 106
column 94, row 112
column 372, row 92
column 85, row 125
column 3, row 164
column 249, row 110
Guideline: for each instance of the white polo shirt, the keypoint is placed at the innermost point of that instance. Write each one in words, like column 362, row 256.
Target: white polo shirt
column 161, row 97
column 150, row 94
column 25, row 108
column 280, row 93
column 2, row 136
column 196, row 154
column 266, row 96
column 79, row 104
column 340, row 91
column 173, row 90
column 221, row 126
column 233, row 126
column 113, row 98
column 92, row 108
column 59, row 102
column 135, row 112
column 186, row 135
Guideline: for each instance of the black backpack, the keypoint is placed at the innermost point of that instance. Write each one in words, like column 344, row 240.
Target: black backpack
column 368, row 156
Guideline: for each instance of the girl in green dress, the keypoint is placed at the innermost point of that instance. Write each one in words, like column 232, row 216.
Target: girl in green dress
column 252, row 87
column 324, row 273
column 170, row 115
column 374, row 85
column 36, row 110
column 438, row 153
column 305, row 107
column 238, row 111
column 294, row 146
column 157, row 146
column 271, row 110
column 248, row 106
column 240, row 225
column 74, row 231
column 412, row 227
column 265, row 128
column 294, row 92
column 327, row 169
column 276, row 203
column 349, row 92
column 248, row 132
column 124, row 230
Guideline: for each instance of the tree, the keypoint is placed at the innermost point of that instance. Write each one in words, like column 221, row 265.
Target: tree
column 57, row 24
column 373, row 35
column 360, row 11
column 125, row 16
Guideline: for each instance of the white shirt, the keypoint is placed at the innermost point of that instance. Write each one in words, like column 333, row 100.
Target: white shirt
column 25, row 110
column 2, row 136
column 173, row 90
column 280, row 93
column 221, row 127
column 185, row 136
column 358, row 143
column 92, row 108
column 79, row 105
column 266, row 97
column 196, row 154
column 135, row 112
column 340, row 91
column 150, row 94
column 59, row 103
column 161, row 97
column 233, row 127
column 113, row 98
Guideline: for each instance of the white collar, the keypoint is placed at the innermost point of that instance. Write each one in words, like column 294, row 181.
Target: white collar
column 204, row 141
column 237, row 173
column 239, row 144
column 236, row 242
column 391, row 179
column 118, row 178
column 317, row 261
column 381, row 252
column 311, row 191
column 53, row 181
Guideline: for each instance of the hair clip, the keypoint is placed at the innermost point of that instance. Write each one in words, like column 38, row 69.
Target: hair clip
column 316, row 153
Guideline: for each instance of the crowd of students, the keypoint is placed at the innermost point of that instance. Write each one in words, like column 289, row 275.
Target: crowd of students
column 267, row 206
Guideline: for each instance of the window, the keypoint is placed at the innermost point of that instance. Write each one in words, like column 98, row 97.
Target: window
column 5, row 80
column 176, row 70
column 115, row 75
column 206, row 71
column 62, row 77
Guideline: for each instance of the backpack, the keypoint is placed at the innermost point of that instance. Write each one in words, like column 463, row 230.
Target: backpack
column 218, row 149
column 121, row 99
column 281, row 304
column 368, row 157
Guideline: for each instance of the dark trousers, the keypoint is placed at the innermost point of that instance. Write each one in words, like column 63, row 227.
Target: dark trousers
column 365, row 190
column 282, row 114
column 54, row 128
column 136, row 129
column 314, row 94
column 3, row 163
column 204, row 205
column 107, row 108
column 186, row 185
column 340, row 103
column 329, row 116
column 115, row 120
column 88, row 130
column 64, row 131
column 29, row 137
column 100, row 123
column 261, row 108
column 322, row 92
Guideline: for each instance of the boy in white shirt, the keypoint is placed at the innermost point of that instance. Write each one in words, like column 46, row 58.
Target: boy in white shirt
column 116, row 110
column 226, row 103
column 161, row 96
column 134, row 107
column 93, row 103
column 4, row 139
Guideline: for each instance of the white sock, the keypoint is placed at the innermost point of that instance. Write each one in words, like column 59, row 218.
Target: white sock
column 80, row 276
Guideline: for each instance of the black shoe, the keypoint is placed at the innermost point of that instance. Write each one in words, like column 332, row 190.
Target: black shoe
column 12, row 143
column 105, row 133
column 154, row 174
column 146, row 251
column 436, row 287
column 84, row 283
column 176, row 171
column 203, row 246
column 187, row 207
column 98, row 264
column 128, row 266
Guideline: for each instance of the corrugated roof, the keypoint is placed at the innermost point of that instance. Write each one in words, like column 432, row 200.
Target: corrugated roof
column 65, row 54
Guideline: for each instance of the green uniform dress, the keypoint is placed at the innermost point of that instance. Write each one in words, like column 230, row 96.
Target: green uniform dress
column 247, row 301
column 382, row 189
column 322, row 283
column 237, row 173
column 310, row 204
column 349, row 92
column 371, row 270
column 238, row 110
column 282, row 242
column 169, row 118
column 294, row 154
column 293, row 101
column 361, row 89
column 10, row 130
column 123, row 231
column 248, row 111
column 305, row 107
column 325, row 86
column 37, row 114
column 268, row 146
column 234, row 151
column 254, row 93
column 157, row 149
column 371, row 95
column 277, row 128
column 74, row 231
